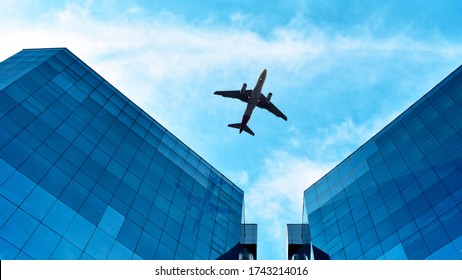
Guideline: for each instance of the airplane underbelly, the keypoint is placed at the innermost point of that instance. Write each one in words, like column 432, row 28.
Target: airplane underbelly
column 249, row 110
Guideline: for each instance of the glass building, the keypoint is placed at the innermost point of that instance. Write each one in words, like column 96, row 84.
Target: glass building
column 86, row 174
column 399, row 196
column 299, row 245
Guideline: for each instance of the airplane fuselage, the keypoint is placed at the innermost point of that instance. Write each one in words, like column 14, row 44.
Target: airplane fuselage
column 253, row 100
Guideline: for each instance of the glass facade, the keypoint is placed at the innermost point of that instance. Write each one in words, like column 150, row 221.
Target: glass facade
column 86, row 174
column 399, row 196
column 298, row 240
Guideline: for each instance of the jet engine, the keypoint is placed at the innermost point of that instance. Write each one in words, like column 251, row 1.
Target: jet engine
column 268, row 98
column 244, row 87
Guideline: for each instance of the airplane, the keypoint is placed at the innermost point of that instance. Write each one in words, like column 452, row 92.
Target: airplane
column 252, row 98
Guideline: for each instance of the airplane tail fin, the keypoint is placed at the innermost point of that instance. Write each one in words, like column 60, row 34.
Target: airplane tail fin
column 238, row 126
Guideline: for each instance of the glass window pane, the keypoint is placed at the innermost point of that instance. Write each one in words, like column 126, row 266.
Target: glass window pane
column 99, row 245
column 17, row 188
column 38, row 203
column 111, row 221
column 18, row 229
column 66, row 251
column 59, row 217
column 42, row 243
column 79, row 232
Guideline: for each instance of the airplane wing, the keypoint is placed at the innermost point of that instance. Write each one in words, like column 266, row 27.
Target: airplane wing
column 262, row 103
column 235, row 94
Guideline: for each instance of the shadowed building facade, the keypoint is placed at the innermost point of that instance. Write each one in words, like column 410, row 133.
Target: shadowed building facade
column 399, row 196
column 86, row 174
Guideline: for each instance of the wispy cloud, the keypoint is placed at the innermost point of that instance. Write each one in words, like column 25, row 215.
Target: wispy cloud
column 337, row 86
column 275, row 196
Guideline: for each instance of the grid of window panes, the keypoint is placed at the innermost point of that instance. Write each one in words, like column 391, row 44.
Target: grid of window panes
column 298, row 234
column 86, row 174
column 399, row 196
column 249, row 233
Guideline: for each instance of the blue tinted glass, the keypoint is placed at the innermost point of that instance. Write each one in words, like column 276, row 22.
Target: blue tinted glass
column 18, row 228
column 42, row 243
column 129, row 234
column 390, row 242
column 349, row 234
column 345, row 221
column 17, row 187
column 15, row 153
column 384, row 229
column 92, row 169
column 152, row 229
column 401, row 217
column 147, row 246
column 435, row 236
column 16, row 92
column 38, row 203
column 102, row 193
column 136, row 217
column 418, row 205
column 451, row 222
column 436, row 193
column 173, row 228
column 49, row 141
column 119, row 205
column 93, row 209
column 8, row 251
column 353, row 250
column 59, row 217
column 79, row 232
column 23, row 256
column 22, row 116
column 6, row 104
column 8, row 208
column 396, row 253
column 111, row 221
column 364, row 224
column 82, row 178
column 125, row 194
column 157, row 216
column 67, row 131
column 99, row 245
column 368, row 239
column 448, row 252
column 415, row 247
column 74, row 195
column 164, row 253
column 452, row 180
column 183, row 252
column 427, row 180
column 55, row 181
column 120, row 252
column 66, row 251
column 35, row 167
column 5, row 171
column 28, row 84
column 116, row 169
column 109, row 181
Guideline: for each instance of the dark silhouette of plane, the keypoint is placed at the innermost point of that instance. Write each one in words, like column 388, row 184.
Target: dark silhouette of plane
column 253, row 98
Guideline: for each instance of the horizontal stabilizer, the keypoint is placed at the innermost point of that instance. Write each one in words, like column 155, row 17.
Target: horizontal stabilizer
column 238, row 126
column 235, row 125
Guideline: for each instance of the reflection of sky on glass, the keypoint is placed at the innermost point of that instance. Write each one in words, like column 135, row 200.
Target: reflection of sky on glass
column 339, row 70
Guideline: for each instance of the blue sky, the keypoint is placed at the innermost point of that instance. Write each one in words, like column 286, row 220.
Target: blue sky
column 339, row 70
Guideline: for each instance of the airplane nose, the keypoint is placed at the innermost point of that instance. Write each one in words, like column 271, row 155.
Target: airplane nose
column 263, row 74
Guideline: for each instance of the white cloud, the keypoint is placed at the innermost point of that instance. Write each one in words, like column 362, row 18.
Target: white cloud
column 340, row 140
column 170, row 68
column 275, row 198
column 240, row 178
